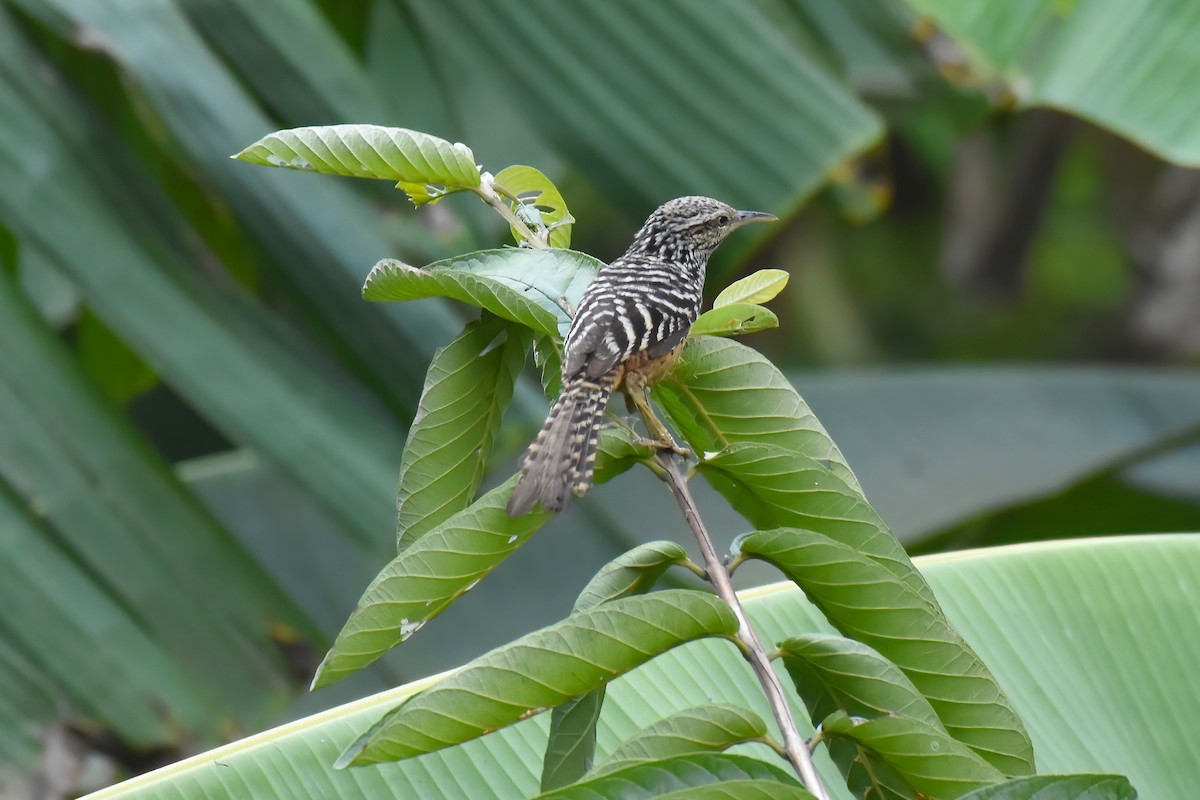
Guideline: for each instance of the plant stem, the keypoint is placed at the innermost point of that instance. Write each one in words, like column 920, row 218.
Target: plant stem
column 794, row 746
column 492, row 197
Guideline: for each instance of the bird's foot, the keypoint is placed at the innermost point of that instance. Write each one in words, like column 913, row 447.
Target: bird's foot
column 663, row 445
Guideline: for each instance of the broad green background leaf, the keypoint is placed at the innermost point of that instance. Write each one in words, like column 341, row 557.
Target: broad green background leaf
column 622, row 89
column 735, row 319
column 520, row 285
column 240, row 370
column 713, row 727
column 756, row 288
column 122, row 535
column 428, row 575
column 542, row 196
column 868, row 603
column 468, row 386
column 1058, row 787
column 1104, row 700
column 367, row 151
column 316, row 232
column 925, row 757
column 652, row 779
column 543, row 669
column 1076, row 57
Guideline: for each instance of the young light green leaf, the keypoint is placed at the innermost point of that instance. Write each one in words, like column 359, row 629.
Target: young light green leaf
column 571, row 746
column 541, row 670
column 521, row 285
column 425, row 578
column 468, row 385
column 864, row 600
column 540, row 198
column 369, row 151
column 633, row 572
column 678, row 774
column 1058, row 787
column 757, row 288
column 717, row 380
column 834, row 673
column 773, row 487
column 700, row 729
column 734, row 319
column 926, row 758
column 740, row 790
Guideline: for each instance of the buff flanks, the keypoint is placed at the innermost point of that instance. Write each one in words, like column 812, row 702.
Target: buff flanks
column 637, row 311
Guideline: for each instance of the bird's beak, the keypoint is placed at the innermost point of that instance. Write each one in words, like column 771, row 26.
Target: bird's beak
column 748, row 217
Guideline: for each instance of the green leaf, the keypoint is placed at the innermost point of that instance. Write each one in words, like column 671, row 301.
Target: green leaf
column 831, row 673
column 425, row 578
column 115, row 520
column 717, row 380
column 1098, row 700
column 571, row 746
column 865, row 601
column 740, row 790
column 624, row 90
column 520, row 285
column 929, row 760
column 757, row 288
column 616, row 452
column 316, row 234
column 734, row 319
column 368, row 151
column 468, row 386
column 835, row 674
column 57, row 608
column 245, row 373
column 680, row 773
column 773, row 487
column 1075, row 58
column 1058, row 787
column 541, row 670
column 633, row 572
column 708, row 728
column 110, row 363
column 540, row 199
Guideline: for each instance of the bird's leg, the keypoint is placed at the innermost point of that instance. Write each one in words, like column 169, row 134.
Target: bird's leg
column 660, row 438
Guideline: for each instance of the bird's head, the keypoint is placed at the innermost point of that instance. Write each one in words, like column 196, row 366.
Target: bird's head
column 690, row 228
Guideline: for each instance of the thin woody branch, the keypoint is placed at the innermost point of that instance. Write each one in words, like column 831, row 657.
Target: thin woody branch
column 794, row 746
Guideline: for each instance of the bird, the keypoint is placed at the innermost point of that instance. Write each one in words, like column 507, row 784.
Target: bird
column 628, row 332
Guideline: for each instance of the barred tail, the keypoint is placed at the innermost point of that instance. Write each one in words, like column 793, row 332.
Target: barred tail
column 559, row 462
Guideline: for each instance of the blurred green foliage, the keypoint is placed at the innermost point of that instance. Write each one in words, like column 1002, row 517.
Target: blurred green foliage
column 991, row 188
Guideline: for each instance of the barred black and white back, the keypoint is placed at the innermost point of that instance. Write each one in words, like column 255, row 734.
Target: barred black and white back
column 637, row 310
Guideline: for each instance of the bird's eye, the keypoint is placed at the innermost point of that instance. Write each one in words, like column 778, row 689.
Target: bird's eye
column 722, row 220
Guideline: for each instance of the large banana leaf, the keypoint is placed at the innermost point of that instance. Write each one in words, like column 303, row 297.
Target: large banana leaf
column 1095, row 642
column 1129, row 66
column 101, row 548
